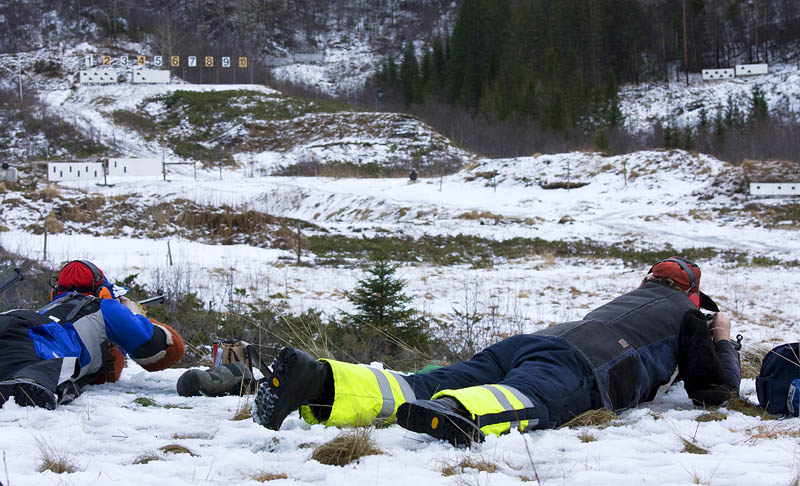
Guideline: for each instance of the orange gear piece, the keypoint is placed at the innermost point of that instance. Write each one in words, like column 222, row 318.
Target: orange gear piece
column 173, row 353
column 112, row 368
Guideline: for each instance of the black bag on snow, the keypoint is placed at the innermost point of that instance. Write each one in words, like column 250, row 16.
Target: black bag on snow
column 779, row 368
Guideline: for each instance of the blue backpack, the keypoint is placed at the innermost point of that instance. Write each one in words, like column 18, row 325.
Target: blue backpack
column 778, row 383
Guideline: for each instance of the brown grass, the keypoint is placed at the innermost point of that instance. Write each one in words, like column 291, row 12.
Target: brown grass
column 772, row 431
column 478, row 463
column 739, row 404
column 711, row 417
column 245, row 411
column 176, row 449
column 751, row 357
column 477, row 215
column 692, row 447
column 263, row 477
column 54, row 460
column 600, row 416
column 347, row 447
column 587, row 437
column 49, row 192
column 178, row 436
column 53, row 224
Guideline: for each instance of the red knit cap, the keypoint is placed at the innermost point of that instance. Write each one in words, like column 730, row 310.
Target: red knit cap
column 77, row 275
column 673, row 270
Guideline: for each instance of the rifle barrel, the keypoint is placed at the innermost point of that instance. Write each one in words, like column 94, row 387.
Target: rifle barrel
column 150, row 300
column 19, row 277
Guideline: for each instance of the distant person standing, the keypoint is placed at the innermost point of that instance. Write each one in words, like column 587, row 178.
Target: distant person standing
column 412, row 176
column 8, row 173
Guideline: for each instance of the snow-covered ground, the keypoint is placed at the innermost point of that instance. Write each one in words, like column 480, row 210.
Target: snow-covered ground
column 111, row 439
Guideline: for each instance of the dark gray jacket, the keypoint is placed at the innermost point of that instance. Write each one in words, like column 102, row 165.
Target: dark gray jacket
column 636, row 343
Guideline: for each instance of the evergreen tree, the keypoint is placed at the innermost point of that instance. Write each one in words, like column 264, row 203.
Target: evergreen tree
column 759, row 111
column 410, row 76
column 734, row 118
column 687, row 142
column 383, row 318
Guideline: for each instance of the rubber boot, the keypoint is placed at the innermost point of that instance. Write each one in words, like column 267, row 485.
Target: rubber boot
column 27, row 393
column 227, row 379
column 443, row 418
column 297, row 378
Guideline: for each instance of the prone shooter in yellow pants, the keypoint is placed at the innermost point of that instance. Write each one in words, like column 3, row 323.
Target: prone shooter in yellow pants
column 617, row 356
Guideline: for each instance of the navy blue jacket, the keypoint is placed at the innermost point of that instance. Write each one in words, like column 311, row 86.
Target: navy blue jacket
column 636, row 343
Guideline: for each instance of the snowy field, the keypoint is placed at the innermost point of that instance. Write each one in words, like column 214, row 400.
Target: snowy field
column 646, row 200
column 112, row 439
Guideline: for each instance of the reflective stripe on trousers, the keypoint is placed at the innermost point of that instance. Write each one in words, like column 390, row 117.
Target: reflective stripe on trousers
column 363, row 395
column 496, row 408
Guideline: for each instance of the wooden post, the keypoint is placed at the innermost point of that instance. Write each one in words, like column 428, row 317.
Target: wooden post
column 625, row 172
column 299, row 241
column 44, row 251
column 568, row 184
column 169, row 254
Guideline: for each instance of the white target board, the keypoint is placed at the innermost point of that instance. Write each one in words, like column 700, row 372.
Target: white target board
column 93, row 171
column 709, row 74
column 134, row 167
column 74, row 171
column 154, row 76
column 775, row 188
column 751, row 69
column 97, row 76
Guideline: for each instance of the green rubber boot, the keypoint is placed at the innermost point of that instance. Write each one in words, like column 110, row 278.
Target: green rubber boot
column 227, row 379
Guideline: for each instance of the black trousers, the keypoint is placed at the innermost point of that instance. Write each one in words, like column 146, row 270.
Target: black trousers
column 18, row 359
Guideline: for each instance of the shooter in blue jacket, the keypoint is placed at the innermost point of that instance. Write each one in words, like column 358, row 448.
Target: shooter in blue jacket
column 80, row 338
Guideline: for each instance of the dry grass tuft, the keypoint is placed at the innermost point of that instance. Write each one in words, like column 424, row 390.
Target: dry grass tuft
column 741, row 405
column 178, row 436
column 772, row 431
column 711, row 417
column 53, row 224
column 475, row 215
column 478, row 463
column 263, row 477
column 176, row 449
column 49, row 192
column 587, row 437
column 751, row 357
column 145, row 402
column 245, row 410
column 601, row 416
column 692, row 447
column 347, row 447
column 54, row 460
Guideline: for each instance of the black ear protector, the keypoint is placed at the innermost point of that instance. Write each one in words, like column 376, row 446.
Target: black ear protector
column 693, row 290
